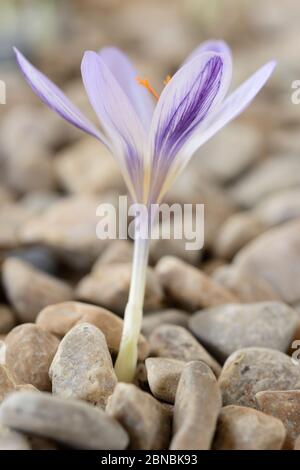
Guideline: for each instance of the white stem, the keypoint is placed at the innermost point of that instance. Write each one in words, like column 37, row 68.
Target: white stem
column 127, row 358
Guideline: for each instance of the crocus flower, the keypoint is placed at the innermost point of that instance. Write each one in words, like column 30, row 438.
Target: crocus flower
column 152, row 142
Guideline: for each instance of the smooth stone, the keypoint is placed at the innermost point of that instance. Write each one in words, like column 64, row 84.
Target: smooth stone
column 225, row 329
column 12, row 218
column 7, row 382
column 82, row 366
column 161, row 317
column 240, row 143
column 68, row 227
column 281, row 271
column 7, row 319
column 279, row 207
column 236, row 232
column 188, row 287
column 284, row 405
column 86, row 167
column 71, row 422
column 118, row 251
column 197, row 405
column 58, row 319
column 12, row 440
column 252, row 370
column 2, row 351
column 241, row 428
column 30, row 290
column 29, row 353
column 163, row 376
column 39, row 257
column 109, row 288
column 175, row 342
column 270, row 176
column 247, row 287
column 146, row 421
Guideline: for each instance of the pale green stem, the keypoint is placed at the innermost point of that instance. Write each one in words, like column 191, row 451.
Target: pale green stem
column 125, row 365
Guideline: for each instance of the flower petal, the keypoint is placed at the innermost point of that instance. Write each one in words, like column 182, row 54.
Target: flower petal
column 232, row 106
column 116, row 114
column 53, row 97
column 212, row 45
column 125, row 74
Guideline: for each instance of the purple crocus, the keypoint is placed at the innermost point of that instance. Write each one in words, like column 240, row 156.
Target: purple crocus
column 152, row 142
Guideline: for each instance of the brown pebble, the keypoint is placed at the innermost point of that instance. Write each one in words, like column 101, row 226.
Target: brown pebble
column 161, row 317
column 176, row 342
column 251, row 370
column 30, row 290
column 197, row 405
column 82, row 366
column 190, row 288
column 7, row 382
column 146, row 421
column 7, row 319
column 284, row 405
column 58, row 319
column 29, row 353
column 109, row 288
column 241, row 428
column 163, row 377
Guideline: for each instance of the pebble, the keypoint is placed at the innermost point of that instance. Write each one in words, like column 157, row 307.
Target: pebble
column 279, row 207
column 161, row 317
column 175, row 342
column 247, row 287
column 163, row 376
column 7, row 319
column 71, row 422
column 197, row 406
column 39, row 257
column 12, row 440
column 69, row 227
column 88, row 167
column 29, row 353
column 58, row 319
column 188, row 287
column 284, row 405
column 272, row 175
column 7, row 382
column 118, row 251
column 12, row 218
column 236, row 232
column 281, row 271
column 2, row 351
column 241, row 428
column 109, row 288
column 240, row 143
column 147, row 422
column 30, row 290
column 252, row 370
column 227, row 328
column 82, row 366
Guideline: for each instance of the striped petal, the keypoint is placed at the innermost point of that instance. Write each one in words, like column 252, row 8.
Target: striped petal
column 53, row 97
column 232, row 106
column 117, row 116
column 125, row 74
column 213, row 45
column 187, row 101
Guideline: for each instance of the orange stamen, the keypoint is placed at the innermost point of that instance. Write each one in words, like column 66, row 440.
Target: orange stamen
column 145, row 82
column 167, row 79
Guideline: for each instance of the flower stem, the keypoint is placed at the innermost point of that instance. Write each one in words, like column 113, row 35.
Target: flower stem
column 127, row 358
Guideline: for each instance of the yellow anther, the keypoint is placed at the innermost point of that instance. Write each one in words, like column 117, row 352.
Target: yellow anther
column 145, row 82
column 167, row 79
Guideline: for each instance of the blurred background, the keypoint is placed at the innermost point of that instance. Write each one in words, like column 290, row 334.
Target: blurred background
column 52, row 176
